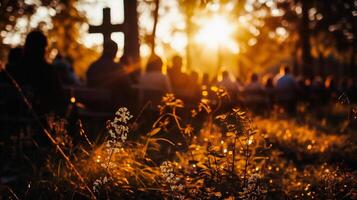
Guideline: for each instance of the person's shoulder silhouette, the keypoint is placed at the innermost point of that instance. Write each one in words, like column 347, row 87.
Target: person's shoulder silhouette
column 13, row 66
column 13, row 60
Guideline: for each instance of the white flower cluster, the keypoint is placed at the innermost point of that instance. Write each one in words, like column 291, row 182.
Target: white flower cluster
column 117, row 128
column 167, row 171
column 99, row 182
column 123, row 115
column 118, row 133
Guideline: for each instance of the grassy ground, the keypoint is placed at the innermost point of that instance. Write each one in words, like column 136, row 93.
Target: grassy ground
column 201, row 153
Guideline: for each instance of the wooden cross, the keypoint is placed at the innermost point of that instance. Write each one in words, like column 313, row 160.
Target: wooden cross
column 129, row 28
column 107, row 28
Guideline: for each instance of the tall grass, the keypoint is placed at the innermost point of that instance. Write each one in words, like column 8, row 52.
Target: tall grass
column 202, row 151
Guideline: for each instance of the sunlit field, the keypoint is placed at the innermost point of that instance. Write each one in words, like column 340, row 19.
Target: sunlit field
column 178, row 99
column 203, row 151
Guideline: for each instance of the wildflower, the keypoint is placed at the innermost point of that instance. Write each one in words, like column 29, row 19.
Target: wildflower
column 171, row 101
column 117, row 128
column 99, row 182
column 188, row 130
column 113, row 146
column 123, row 115
column 167, row 171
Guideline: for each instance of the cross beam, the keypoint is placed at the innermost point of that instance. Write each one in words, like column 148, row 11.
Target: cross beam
column 129, row 28
column 107, row 28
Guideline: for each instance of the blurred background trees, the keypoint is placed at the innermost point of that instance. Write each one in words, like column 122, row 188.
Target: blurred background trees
column 63, row 28
column 65, row 34
column 313, row 36
column 315, row 31
column 10, row 11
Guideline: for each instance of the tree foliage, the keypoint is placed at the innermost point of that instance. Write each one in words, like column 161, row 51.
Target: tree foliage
column 64, row 31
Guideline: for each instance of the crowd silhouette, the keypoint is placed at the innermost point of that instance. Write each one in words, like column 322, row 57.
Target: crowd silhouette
column 48, row 82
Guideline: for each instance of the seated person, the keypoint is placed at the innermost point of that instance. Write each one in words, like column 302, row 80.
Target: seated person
column 284, row 80
column 153, row 84
column 254, row 91
column 65, row 71
column 13, row 65
column 287, row 89
column 100, row 73
column 179, row 80
column 227, row 83
column 254, row 84
column 104, row 73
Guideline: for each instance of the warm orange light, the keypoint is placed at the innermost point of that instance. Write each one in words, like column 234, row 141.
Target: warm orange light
column 216, row 32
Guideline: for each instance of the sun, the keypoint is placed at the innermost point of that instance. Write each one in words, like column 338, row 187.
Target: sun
column 216, row 32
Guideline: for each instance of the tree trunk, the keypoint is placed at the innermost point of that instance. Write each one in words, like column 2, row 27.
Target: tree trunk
column 156, row 18
column 188, row 35
column 189, row 9
column 131, row 42
column 305, row 39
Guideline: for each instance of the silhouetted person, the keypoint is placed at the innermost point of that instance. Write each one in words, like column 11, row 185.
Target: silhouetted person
column 153, row 83
column 14, row 60
column 104, row 73
column 284, row 80
column 254, row 84
column 269, row 89
column 40, row 75
column 179, row 80
column 13, row 67
column 100, row 74
column 228, row 84
column 130, row 67
column 269, row 83
column 253, row 93
column 205, row 79
column 65, row 71
column 287, row 88
column 10, row 102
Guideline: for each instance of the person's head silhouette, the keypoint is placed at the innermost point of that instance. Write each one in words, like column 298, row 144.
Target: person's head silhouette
column 110, row 49
column 194, row 76
column 285, row 70
column 35, row 45
column 177, row 62
column 225, row 75
column 155, row 64
column 205, row 79
column 254, row 78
